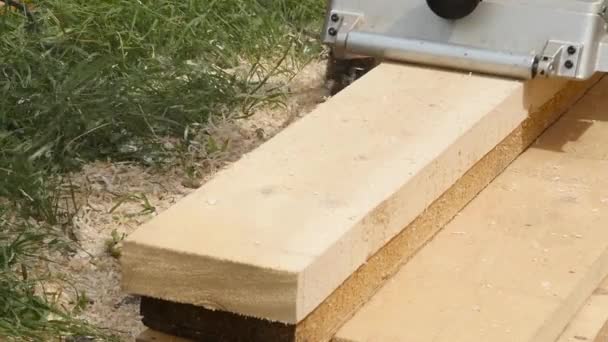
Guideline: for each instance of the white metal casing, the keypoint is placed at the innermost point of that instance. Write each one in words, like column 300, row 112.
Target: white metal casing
column 516, row 38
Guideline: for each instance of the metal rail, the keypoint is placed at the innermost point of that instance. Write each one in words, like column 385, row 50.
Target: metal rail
column 442, row 55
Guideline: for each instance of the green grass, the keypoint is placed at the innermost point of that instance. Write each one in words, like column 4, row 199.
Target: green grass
column 105, row 79
column 109, row 80
column 26, row 310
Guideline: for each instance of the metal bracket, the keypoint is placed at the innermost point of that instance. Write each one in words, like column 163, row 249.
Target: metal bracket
column 338, row 25
column 604, row 12
column 560, row 59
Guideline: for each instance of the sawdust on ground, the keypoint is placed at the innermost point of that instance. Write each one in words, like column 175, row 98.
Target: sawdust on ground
column 120, row 196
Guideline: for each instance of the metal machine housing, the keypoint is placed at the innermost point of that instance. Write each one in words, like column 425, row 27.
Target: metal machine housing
column 513, row 38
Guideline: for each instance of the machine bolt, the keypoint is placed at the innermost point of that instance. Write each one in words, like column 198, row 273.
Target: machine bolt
column 568, row 64
column 571, row 50
column 335, row 18
column 332, row 31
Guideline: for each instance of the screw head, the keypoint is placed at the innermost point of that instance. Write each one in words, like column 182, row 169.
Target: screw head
column 571, row 50
column 332, row 31
column 335, row 17
column 569, row 64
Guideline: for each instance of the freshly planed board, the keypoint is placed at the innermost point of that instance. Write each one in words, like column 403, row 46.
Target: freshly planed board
column 591, row 322
column 286, row 243
column 520, row 260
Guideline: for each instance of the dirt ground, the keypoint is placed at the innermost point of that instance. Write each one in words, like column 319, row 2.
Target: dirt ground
column 120, row 197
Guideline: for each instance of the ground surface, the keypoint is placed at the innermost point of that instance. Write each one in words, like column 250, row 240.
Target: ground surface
column 119, row 197
column 149, row 191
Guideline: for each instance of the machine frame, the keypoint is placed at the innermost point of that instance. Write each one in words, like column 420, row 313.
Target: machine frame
column 521, row 39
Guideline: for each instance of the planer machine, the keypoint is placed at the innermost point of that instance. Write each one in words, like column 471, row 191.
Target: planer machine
column 520, row 39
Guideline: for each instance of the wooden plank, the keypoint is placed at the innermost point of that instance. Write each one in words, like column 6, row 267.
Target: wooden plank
column 202, row 324
column 591, row 319
column 515, row 265
column 284, row 229
column 603, row 335
column 583, row 131
column 157, row 336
